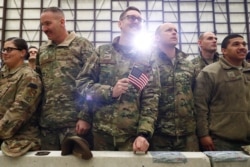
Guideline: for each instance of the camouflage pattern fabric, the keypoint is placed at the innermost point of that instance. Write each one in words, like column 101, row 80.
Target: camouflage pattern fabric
column 108, row 142
column 176, row 104
column 159, row 142
column 20, row 95
column 18, row 147
column 135, row 111
column 199, row 62
column 222, row 94
column 59, row 66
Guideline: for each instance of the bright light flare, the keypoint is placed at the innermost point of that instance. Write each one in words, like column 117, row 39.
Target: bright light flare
column 143, row 41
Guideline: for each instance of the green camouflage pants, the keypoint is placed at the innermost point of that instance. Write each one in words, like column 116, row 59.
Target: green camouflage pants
column 173, row 143
column 104, row 141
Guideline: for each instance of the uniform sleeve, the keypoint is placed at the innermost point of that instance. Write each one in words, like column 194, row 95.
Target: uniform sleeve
column 27, row 98
column 88, row 57
column 85, row 113
column 149, row 103
column 87, row 81
column 88, row 86
column 202, row 90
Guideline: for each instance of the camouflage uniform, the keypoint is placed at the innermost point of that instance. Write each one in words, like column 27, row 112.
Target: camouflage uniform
column 59, row 65
column 175, row 127
column 199, row 62
column 20, row 95
column 117, row 122
column 222, row 95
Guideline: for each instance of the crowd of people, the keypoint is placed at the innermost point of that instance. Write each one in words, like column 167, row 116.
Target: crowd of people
column 76, row 98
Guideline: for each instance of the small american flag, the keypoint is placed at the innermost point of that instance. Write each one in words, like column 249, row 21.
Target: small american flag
column 138, row 78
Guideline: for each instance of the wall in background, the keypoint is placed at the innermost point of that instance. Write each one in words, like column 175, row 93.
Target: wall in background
column 97, row 19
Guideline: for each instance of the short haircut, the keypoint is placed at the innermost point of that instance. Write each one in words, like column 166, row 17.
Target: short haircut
column 32, row 47
column 202, row 35
column 225, row 41
column 19, row 43
column 128, row 9
column 157, row 31
column 54, row 9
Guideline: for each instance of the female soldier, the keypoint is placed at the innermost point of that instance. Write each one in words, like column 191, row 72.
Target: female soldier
column 20, row 94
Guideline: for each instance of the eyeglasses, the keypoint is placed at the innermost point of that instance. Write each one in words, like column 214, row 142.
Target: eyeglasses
column 132, row 18
column 35, row 52
column 9, row 49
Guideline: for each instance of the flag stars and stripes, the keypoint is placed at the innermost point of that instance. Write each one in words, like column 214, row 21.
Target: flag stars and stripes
column 138, row 78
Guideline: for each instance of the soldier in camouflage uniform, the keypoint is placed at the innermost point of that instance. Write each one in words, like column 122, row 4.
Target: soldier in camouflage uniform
column 20, row 95
column 208, row 46
column 123, row 115
column 60, row 60
column 222, row 95
column 175, row 126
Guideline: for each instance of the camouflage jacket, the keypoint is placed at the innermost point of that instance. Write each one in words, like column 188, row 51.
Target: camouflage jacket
column 134, row 112
column 176, row 104
column 20, row 95
column 59, row 66
column 199, row 62
column 222, row 95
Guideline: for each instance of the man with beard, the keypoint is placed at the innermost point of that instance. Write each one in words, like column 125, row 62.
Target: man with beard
column 121, row 86
column 175, row 126
column 208, row 46
column 222, row 95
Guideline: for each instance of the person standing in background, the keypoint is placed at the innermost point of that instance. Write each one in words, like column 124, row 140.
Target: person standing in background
column 32, row 56
column 208, row 51
column 60, row 60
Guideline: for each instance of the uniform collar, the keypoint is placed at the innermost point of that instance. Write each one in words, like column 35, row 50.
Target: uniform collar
column 71, row 36
column 226, row 65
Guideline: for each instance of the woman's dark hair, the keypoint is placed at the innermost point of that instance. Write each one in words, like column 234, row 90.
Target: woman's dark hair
column 19, row 43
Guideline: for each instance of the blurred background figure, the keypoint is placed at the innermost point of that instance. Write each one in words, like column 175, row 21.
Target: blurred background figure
column 32, row 53
column 207, row 43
